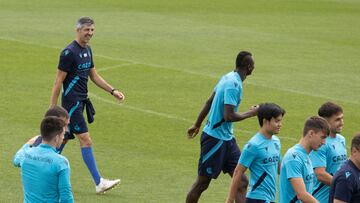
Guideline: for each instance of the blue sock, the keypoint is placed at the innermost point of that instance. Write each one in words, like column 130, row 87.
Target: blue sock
column 59, row 150
column 89, row 160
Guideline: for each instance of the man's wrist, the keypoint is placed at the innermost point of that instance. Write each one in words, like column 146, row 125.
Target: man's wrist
column 112, row 91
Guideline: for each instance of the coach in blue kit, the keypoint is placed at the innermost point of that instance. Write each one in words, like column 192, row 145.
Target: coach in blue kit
column 75, row 66
column 219, row 151
column 345, row 187
column 262, row 156
column 45, row 173
column 296, row 172
column 329, row 158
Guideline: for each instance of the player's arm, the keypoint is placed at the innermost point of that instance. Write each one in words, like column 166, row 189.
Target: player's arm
column 300, row 191
column 194, row 130
column 338, row 201
column 232, row 116
column 100, row 82
column 323, row 176
column 235, row 182
column 60, row 77
column 279, row 167
column 65, row 186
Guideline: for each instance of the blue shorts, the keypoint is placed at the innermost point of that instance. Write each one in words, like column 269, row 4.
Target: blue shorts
column 249, row 200
column 217, row 155
column 77, row 121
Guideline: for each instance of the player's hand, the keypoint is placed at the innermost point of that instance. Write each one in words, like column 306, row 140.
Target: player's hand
column 192, row 131
column 119, row 95
column 254, row 110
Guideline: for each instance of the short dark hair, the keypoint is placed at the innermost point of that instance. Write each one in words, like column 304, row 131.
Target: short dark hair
column 316, row 123
column 84, row 20
column 269, row 110
column 355, row 142
column 243, row 59
column 57, row 111
column 328, row 109
column 50, row 127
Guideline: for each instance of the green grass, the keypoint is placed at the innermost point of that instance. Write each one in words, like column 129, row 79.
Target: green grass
column 167, row 56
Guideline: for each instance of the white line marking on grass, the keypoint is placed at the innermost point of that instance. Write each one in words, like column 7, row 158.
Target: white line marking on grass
column 139, row 109
column 187, row 71
column 115, row 66
column 174, row 117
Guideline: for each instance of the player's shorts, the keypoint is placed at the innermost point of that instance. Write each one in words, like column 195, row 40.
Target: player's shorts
column 217, row 155
column 77, row 121
column 249, row 200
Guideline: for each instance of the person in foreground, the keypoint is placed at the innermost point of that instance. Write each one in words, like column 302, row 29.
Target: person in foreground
column 45, row 173
column 75, row 67
column 329, row 158
column 345, row 187
column 219, row 151
column 262, row 156
column 296, row 172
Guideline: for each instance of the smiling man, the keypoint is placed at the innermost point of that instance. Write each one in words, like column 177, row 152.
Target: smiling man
column 262, row 156
column 75, row 67
column 329, row 158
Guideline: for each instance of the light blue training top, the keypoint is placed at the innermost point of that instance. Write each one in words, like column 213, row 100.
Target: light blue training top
column 262, row 156
column 295, row 164
column 331, row 156
column 45, row 174
column 227, row 91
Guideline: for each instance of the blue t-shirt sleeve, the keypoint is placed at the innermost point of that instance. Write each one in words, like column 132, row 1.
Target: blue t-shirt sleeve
column 20, row 155
column 231, row 96
column 65, row 193
column 344, row 187
column 293, row 169
column 318, row 158
column 66, row 60
column 248, row 155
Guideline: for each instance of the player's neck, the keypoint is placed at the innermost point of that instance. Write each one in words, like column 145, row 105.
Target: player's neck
column 305, row 144
column 241, row 73
column 53, row 144
column 332, row 134
column 81, row 43
column 266, row 133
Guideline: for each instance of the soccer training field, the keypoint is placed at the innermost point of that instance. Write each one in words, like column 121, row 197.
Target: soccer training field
column 166, row 56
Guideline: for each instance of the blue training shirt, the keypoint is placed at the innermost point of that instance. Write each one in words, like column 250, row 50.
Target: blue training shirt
column 295, row 164
column 330, row 156
column 77, row 62
column 346, row 184
column 227, row 91
column 262, row 155
column 45, row 174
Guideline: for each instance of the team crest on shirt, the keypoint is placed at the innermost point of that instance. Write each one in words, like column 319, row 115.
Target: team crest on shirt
column 235, row 84
column 66, row 52
column 266, row 148
column 343, row 143
column 294, row 155
column 248, row 145
column 347, row 174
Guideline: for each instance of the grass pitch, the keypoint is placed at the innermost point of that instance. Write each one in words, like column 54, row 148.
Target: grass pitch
column 166, row 56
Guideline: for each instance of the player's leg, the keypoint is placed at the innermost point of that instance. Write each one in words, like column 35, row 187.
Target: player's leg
column 232, row 159
column 210, row 165
column 200, row 185
column 88, row 155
